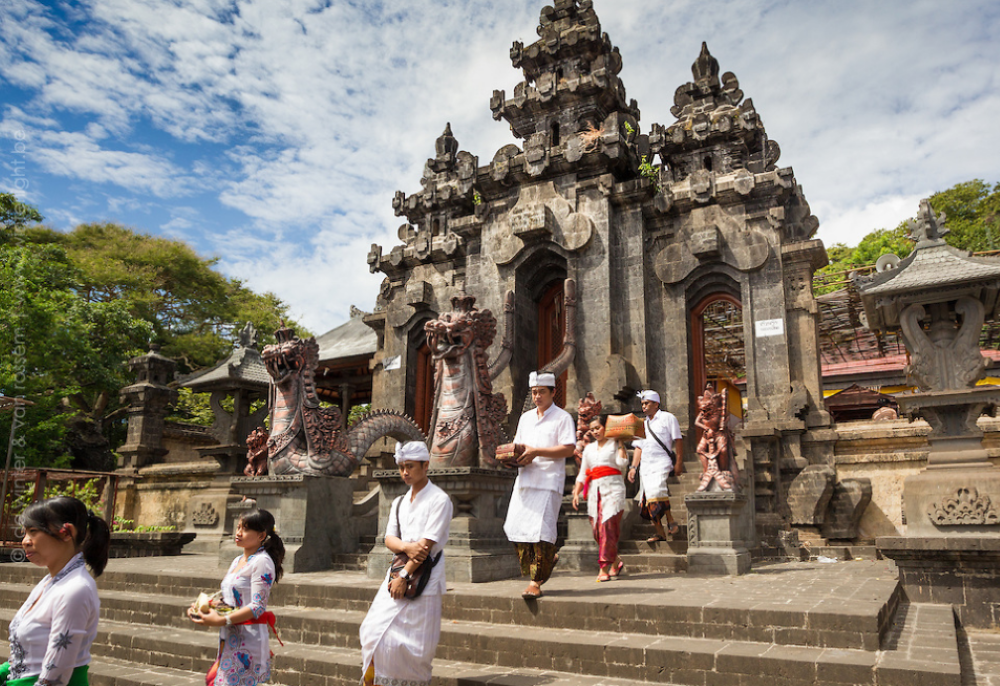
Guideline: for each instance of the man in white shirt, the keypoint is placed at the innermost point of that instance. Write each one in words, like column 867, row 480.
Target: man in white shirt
column 399, row 635
column 548, row 435
column 654, row 458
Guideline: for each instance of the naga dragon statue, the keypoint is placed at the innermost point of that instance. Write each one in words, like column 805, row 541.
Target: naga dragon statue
column 305, row 437
column 467, row 414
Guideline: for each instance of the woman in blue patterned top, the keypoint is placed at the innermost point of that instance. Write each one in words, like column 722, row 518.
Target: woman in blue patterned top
column 51, row 635
column 244, row 649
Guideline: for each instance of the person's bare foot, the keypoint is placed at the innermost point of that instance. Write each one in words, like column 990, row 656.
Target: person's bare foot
column 532, row 592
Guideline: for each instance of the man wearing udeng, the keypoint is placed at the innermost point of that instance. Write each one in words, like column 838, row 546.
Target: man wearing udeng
column 549, row 437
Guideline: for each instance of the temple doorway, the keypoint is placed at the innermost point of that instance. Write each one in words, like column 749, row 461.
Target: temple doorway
column 551, row 329
column 719, row 351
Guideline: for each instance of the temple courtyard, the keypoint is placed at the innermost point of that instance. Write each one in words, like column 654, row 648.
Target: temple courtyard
column 787, row 624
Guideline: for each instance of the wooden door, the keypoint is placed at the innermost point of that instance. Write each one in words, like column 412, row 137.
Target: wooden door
column 551, row 330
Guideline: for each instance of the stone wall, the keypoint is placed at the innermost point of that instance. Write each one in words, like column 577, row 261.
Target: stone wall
column 887, row 453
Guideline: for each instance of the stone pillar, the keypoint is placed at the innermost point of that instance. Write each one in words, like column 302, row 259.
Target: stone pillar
column 346, row 391
column 716, row 522
column 579, row 552
column 312, row 515
column 477, row 549
column 149, row 399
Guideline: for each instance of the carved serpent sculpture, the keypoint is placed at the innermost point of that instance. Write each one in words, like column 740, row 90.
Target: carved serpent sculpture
column 306, row 438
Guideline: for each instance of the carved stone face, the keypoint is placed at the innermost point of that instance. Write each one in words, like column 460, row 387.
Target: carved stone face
column 449, row 336
column 283, row 359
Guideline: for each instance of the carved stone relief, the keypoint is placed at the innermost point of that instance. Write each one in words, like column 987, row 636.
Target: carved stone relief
column 966, row 508
column 205, row 515
column 709, row 233
column 541, row 213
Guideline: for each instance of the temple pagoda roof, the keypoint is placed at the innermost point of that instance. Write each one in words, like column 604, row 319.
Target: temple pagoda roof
column 351, row 339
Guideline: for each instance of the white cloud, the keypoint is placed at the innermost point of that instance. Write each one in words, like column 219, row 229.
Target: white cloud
column 325, row 109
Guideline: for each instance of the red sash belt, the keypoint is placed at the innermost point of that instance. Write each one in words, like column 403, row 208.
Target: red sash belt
column 601, row 472
column 597, row 473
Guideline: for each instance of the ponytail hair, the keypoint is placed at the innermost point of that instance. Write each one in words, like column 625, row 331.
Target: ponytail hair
column 93, row 537
column 263, row 522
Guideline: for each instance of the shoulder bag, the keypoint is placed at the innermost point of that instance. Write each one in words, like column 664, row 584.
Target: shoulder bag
column 417, row 581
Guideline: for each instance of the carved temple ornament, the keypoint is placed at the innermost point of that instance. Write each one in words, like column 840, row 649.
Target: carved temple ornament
column 711, row 235
column 967, row 508
column 205, row 515
column 715, row 448
column 541, row 213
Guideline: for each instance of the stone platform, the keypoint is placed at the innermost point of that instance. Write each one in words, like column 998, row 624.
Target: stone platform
column 788, row 624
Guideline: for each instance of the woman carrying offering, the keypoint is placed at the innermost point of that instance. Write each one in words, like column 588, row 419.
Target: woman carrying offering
column 51, row 635
column 601, row 482
column 244, row 649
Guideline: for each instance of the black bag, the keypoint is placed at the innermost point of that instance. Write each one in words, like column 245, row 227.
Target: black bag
column 417, row 581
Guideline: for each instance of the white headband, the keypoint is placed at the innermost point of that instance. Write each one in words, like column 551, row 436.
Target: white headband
column 412, row 451
column 649, row 395
column 542, row 379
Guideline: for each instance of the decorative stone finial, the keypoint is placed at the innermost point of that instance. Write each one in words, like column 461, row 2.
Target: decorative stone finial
column 928, row 226
column 446, row 147
column 705, row 68
column 248, row 336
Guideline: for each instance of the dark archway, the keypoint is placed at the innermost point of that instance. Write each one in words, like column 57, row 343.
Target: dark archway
column 419, row 376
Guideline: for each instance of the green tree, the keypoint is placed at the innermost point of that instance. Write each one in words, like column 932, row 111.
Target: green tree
column 972, row 212
column 81, row 303
column 15, row 216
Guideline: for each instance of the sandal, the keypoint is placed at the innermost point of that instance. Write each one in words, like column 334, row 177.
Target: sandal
column 617, row 571
column 603, row 576
column 656, row 539
column 674, row 529
column 530, row 593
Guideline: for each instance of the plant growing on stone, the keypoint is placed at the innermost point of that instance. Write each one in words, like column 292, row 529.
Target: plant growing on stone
column 648, row 171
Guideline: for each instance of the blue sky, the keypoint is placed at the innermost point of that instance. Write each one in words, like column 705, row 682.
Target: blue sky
column 272, row 135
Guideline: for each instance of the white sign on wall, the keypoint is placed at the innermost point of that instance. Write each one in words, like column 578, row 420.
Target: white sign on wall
column 769, row 327
column 394, row 362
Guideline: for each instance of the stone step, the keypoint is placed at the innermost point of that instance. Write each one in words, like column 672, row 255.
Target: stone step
column 653, row 563
column 594, row 654
column 345, row 665
column 638, row 603
column 640, row 546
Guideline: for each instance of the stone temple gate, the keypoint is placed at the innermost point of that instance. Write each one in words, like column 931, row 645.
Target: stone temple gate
column 665, row 232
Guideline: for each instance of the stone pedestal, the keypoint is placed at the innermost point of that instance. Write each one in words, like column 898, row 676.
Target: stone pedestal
column 312, row 514
column 477, row 549
column 962, row 571
column 716, row 530
column 579, row 552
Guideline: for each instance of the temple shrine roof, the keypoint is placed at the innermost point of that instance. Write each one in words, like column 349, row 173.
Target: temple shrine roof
column 353, row 338
column 244, row 368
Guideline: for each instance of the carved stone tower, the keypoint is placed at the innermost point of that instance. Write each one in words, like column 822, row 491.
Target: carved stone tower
column 660, row 231
column 149, row 400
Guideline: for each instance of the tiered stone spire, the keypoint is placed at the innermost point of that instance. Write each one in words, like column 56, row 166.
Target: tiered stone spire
column 570, row 76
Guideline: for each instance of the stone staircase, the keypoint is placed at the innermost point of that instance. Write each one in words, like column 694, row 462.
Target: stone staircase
column 784, row 626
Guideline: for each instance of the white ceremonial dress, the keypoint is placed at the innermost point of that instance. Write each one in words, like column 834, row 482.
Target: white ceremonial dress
column 54, row 637
column 246, row 652
column 656, row 464
column 401, row 636
column 537, row 495
column 610, row 488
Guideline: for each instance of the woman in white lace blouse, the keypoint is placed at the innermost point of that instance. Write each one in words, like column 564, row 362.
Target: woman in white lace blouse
column 602, row 481
column 51, row 635
column 244, row 646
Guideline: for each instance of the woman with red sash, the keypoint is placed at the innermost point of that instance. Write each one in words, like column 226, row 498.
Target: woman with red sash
column 602, row 483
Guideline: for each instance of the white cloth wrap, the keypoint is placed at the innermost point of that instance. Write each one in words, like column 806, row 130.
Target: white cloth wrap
column 412, row 451
column 537, row 496
column 649, row 395
column 610, row 488
column 541, row 379
column 656, row 464
column 401, row 636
